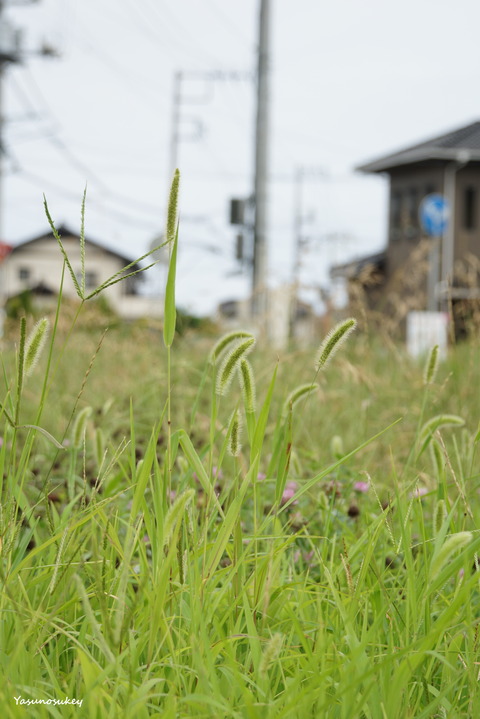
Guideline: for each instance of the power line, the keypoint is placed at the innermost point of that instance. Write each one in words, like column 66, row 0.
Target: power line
column 181, row 36
column 231, row 26
column 81, row 167
column 121, row 72
column 44, row 182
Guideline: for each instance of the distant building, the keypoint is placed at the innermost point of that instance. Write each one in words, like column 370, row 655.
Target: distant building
column 415, row 272
column 36, row 266
column 281, row 313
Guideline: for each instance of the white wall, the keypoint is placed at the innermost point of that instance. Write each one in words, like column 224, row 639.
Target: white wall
column 44, row 262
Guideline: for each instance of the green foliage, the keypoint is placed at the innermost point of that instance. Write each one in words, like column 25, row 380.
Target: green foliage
column 150, row 565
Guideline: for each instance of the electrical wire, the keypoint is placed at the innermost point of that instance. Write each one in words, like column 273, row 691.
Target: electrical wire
column 176, row 33
column 231, row 26
column 84, row 170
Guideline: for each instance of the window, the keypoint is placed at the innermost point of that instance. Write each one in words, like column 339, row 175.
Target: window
column 91, row 279
column 91, row 282
column 129, row 286
column 469, row 208
column 396, row 209
column 412, row 200
column 23, row 274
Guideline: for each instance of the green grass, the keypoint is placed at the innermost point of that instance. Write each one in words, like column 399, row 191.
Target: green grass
column 327, row 570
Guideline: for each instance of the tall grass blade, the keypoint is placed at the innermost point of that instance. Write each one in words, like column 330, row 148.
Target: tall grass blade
column 58, row 238
column 170, row 313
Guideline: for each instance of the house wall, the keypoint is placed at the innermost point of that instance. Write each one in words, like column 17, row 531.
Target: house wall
column 41, row 262
column 467, row 215
column 408, row 187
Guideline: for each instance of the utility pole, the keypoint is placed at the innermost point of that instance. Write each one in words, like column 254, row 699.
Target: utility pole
column 260, row 258
column 301, row 175
column 11, row 52
column 208, row 79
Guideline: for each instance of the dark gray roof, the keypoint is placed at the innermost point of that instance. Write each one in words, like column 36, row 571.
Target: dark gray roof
column 462, row 144
column 353, row 268
column 65, row 231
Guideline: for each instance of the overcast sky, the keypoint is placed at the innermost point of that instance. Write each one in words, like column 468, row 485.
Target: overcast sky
column 350, row 81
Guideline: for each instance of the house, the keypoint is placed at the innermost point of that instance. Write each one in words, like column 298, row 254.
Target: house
column 416, row 272
column 36, row 266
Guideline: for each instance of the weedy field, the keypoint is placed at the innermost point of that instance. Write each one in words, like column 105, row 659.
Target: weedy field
column 197, row 527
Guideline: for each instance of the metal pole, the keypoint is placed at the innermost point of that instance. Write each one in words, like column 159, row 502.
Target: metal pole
column 448, row 241
column 433, row 274
column 2, row 147
column 259, row 283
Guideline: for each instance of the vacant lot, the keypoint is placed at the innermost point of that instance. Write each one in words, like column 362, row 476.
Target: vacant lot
column 195, row 553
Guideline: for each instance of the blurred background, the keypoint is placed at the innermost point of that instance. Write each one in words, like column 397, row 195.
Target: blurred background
column 113, row 94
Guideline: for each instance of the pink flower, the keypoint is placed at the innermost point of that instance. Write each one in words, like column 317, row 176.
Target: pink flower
column 361, row 486
column 261, row 475
column 419, row 492
column 289, row 492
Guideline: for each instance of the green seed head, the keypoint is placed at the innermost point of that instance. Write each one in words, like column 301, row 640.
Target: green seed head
column 431, row 366
column 438, row 458
column 99, row 447
column 247, row 383
column 175, row 515
column 439, row 516
column 230, row 364
column 80, row 427
column 296, row 395
column 234, row 445
column 172, row 212
column 271, row 653
column 440, row 420
column 222, row 344
column 336, row 446
column 333, row 341
column 451, row 545
column 35, row 344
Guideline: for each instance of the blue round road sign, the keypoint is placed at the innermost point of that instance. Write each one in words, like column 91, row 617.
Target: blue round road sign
column 434, row 214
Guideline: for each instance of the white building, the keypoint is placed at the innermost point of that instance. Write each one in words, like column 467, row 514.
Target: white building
column 37, row 265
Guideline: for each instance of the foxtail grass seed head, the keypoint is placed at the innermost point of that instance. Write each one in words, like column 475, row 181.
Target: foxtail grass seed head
column 230, row 364
column 224, row 342
column 452, row 544
column 296, row 395
column 439, row 516
column 348, row 573
column 431, row 366
column 438, row 458
column 234, row 445
column 440, row 420
column 271, row 653
column 80, row 427
column 35, row 344
column 336, row 446
column 247, row 384
column 333, row 341
column 175, row 515
column 99, row 447
column 172, row 211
